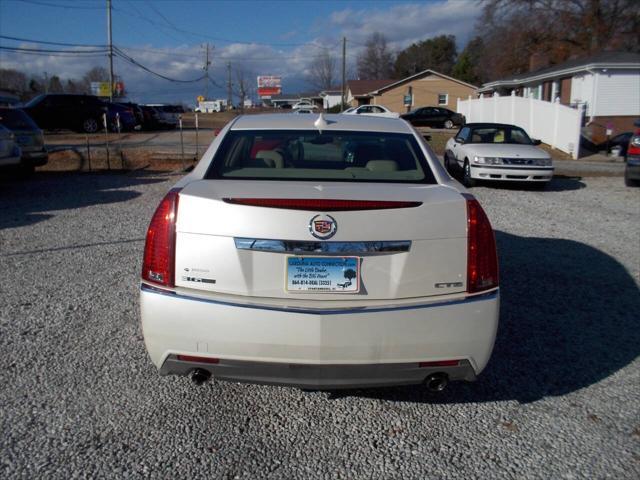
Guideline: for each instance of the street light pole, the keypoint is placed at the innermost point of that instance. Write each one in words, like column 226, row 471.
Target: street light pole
column 110, row 40
column 344, row 72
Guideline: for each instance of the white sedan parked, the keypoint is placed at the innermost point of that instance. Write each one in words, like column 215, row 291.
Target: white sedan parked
column 373, row 110
column 496, row 151
column 320, row 252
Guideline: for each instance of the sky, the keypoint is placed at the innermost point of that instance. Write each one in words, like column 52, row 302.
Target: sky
column 256, row 37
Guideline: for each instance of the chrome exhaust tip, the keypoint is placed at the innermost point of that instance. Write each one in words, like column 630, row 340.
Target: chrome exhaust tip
column 200, row 376
column 437, row 382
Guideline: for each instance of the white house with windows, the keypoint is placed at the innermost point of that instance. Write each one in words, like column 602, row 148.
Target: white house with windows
column 606, row 86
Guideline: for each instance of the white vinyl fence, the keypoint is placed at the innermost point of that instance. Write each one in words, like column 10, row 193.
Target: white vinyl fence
column 551, row 122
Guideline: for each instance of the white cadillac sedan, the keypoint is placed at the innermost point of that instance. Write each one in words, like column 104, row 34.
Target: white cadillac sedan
column 498, row 152
column 320, row 252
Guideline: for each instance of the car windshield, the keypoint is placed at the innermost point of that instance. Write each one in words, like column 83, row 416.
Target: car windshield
column 501, row 134
column 15, row 119
column 311, row 155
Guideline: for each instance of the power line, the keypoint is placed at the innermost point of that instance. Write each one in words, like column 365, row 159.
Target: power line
column 57, row 5
column 131, row 60
column 19, row 39
column 47, row 51
column 142, row 16
column 163, row 52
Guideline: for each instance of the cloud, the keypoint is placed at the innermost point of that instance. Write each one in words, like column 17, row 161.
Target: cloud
column 402, row 24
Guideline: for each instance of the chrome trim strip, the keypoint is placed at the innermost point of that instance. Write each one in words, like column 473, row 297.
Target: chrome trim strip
column 522, row 167
column 492, row 295
column 342, row 248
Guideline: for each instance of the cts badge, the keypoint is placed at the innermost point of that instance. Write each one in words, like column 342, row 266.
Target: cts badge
column 323, row 226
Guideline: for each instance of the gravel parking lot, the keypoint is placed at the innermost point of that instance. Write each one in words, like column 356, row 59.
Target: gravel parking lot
column 79, row 398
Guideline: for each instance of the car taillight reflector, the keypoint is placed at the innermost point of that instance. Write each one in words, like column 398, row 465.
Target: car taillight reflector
column 634, row 146
column 193, row 358
column 160, row 246
column 440, row 363
column 482, row 258
column 321, row 204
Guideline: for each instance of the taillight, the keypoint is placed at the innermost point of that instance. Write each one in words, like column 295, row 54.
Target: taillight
column 325, row 205
column 634, row 146
column 482, row 258
column 160, row 246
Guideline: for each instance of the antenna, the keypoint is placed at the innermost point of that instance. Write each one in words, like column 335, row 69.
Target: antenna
column 320, row 123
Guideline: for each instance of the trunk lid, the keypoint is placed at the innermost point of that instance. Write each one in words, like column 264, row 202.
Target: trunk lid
column 229, row 248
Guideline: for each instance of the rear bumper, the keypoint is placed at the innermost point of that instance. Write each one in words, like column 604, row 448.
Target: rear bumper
column 511, row 173
column 35, row 159
column 319, row 376
column 632, row 170
column 9, row 161
column 319, row 348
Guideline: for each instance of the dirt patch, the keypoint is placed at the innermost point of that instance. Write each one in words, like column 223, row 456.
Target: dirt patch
column 74, row 161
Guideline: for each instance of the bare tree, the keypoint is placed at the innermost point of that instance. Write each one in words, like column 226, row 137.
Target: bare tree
column 244, row 85
column 322, row 72
column 514, row 30
column 13, row 81
column 376, row 61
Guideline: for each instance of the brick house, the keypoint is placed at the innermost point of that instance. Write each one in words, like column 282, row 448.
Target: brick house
column 426, row 88
column 607, row 85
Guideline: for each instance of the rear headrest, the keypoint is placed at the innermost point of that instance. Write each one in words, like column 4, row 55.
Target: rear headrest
column 271, row 158
column 382, row 165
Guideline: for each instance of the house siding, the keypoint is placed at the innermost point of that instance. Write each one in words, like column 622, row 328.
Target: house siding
column 425, row 93
column 618, row 94
column 582, row 91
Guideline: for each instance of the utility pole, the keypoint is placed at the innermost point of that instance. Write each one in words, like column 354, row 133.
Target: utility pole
column 229, row 98
column 344, row 72
column 110, row 51
column 206, row 75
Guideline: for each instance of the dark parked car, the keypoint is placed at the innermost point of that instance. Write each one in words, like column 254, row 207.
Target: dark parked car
column 434, row 117
column 28, row 136
column 128, row 119
column 135, row 109
column 151, row 118
column 82, row 113
column 632, row 158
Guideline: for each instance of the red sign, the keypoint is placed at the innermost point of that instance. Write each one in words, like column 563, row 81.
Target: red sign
column 268, row 91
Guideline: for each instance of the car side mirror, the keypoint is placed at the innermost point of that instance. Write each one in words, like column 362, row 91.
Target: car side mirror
column 358, row 112
column 459, row 140
column 535, row 141
column 427, row 137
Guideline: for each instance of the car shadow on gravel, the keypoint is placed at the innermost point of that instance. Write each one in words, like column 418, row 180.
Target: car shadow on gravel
column 568, row 320
column 27, row 201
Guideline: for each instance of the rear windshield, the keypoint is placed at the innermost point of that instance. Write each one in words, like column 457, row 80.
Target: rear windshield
column 15, row 119
column 311, row 155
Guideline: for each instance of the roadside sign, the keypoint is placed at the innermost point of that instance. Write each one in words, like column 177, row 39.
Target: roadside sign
column 407, row 100
column 200, row 98
column 100, row 89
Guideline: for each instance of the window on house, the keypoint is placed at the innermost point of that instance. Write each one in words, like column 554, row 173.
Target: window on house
column 443, row 98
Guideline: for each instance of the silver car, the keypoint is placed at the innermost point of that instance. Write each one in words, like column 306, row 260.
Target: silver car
column 28, row 136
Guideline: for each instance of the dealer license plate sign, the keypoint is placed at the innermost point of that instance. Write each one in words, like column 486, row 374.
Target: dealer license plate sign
column 323, row 274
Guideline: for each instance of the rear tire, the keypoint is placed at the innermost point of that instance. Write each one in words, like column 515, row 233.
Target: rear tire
column 90, row 125
column 630, row 182
column 467, row 180
column 448, row 124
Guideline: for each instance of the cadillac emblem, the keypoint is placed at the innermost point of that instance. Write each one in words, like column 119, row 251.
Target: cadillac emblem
column 323, row 227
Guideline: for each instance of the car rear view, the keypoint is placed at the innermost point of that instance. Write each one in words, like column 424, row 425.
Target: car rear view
column 321, row 253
